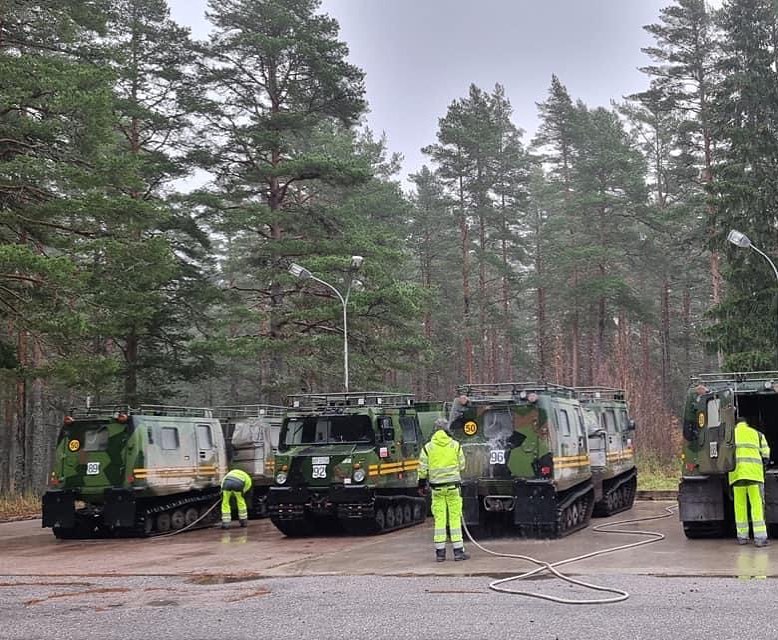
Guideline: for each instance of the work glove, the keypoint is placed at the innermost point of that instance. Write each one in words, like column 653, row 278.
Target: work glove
column 423, row 487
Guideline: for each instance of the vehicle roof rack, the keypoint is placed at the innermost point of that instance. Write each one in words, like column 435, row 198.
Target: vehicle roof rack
column 110, row 411
column 249, row 411
column 498, row 390
column 351, row 399
column 735, row 376
column 588, row 394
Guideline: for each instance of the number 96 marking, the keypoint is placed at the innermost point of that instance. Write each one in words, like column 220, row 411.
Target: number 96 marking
column 497, row 456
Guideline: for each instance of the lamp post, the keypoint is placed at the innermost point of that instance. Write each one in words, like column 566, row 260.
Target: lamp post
column 742, row 240
column 303, row 274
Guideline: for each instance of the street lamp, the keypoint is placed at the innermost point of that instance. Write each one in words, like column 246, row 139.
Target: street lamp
column 742, row 240
column 303, row 274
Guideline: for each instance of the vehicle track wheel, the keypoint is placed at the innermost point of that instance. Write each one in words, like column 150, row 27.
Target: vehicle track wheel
column 399, row 515
column 191, row 515
column 380, row 519
column 148, row 524
column 177, row 519
column 163, row 522
column 418, row 512
column 390, row 517
column 408, row 514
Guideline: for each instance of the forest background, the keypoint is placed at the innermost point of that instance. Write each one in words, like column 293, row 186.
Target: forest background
column 592, row 253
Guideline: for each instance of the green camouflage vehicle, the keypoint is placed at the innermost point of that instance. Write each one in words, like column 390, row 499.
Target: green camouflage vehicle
column 528, row 461
column 349, row 461
column 251, row 435
column 714, row 403
column 144, row 471
column 611, row 452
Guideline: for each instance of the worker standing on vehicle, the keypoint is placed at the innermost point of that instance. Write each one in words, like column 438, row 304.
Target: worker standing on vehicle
column 236, row 483
column 440, row 464
column 747, row 480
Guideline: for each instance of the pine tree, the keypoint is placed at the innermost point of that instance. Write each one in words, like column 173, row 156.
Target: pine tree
column 746, row 182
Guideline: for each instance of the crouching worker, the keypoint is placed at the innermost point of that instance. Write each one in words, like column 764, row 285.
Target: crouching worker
column 236, row 483
column 440, row 463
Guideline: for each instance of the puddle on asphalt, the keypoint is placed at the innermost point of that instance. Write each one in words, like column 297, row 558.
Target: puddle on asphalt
column 222, row 579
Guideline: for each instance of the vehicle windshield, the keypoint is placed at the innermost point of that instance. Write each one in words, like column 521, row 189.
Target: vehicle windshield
column 498, row 423
column 326, row 430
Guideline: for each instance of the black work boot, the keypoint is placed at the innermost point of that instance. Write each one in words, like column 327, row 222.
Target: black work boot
column 440, row 555
column 225, row 525
column 459, row 554
column 244, row 523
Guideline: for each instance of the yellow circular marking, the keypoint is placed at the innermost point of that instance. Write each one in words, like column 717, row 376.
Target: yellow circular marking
column 470, row 428
column 701, row 419
column 74, row 445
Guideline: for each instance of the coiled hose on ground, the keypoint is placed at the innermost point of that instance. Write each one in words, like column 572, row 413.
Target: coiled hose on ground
column 551, row 567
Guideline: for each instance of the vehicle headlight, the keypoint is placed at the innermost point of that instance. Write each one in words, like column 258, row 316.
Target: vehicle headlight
column 281, row 478
column 359, row 475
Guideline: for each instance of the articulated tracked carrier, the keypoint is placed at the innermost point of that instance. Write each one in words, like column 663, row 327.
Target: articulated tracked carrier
column 349, row 461
column 134, row 471
column 529, row 469
column 715, row 402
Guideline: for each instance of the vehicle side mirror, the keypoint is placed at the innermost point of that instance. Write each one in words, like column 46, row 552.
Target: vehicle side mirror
column 631, row 425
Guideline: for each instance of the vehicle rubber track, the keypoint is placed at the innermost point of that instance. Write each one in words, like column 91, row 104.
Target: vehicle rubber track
column 574, row 512
column 705, row 529
column 154, row 516
column 390, row 513
column 619, row 497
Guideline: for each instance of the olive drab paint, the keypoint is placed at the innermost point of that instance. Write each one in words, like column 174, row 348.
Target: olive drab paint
column 715, row 402
column 136, row 471
column 349, row 461
column 528, row 459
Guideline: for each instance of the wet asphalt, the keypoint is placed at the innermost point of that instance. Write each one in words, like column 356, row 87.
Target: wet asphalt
column 255, row 583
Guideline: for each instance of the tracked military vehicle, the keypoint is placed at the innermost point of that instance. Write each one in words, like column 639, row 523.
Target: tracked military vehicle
column 142, row 471
column 349, row 461
column 714, row 404
column 611, row 452
column 528, row 462
column 251, row 436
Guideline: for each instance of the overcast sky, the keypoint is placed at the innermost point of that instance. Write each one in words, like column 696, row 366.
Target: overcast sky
column 419, row 55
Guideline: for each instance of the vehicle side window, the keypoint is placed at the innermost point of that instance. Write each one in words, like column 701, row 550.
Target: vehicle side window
column 581, row 425
column 204, row 437
column 610, row 421
column 564, row 422
column 170, row 438
column 714, row 412
column 408, row 425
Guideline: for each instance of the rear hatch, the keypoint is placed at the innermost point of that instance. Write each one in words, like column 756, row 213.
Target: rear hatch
column 93, row 456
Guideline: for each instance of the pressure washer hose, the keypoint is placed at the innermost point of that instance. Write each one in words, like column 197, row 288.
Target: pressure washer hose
column 653, row 536
column 190, row 525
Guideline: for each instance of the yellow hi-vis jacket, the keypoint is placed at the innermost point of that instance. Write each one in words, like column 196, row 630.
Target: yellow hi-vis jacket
column 441, row 460
column 237, row 480
column 750, row 448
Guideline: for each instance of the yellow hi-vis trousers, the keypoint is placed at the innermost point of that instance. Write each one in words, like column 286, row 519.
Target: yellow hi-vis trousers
column 447, row 509
column 240, row 501
column 749, row 494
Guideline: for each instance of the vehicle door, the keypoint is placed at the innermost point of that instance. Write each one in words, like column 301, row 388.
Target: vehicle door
column 716, row 422
column 207, row 460
column 574, row 458
column 597, row 437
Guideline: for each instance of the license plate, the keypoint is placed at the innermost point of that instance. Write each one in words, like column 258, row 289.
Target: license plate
column 321, row 460
column 92, row 468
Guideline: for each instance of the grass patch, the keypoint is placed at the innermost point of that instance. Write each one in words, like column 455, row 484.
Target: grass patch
column 19, row 505
column 657, row 474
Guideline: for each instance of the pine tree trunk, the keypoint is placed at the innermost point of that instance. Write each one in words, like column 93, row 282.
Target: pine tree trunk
column 464, row 237
column 665, row 341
